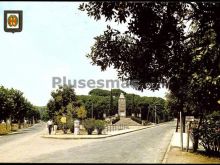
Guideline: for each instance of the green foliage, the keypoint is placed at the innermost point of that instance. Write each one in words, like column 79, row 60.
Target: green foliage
column 134, row 104
column 15, row 106
column 81, row 112
column 89, row 125
column 95, row 104
column 14, row 127
column 100, row 126
column 43, row 113
column 63, row 102
column 138, row 120
column 117, row 92
column 3, row 129
column 70, row 125
column 215, row 116
column 156, row 49
column 209, row 133
column 116, row 119
column 99, row 92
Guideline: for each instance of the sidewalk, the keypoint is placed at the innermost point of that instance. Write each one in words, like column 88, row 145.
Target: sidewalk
column 174, row 154
column 108, row 134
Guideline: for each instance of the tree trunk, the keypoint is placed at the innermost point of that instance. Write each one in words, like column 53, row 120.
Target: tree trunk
column 184, row 123
column 10, row 119
column 19, row 124
column 177, row 124
column 148, row 114
column 196, row 138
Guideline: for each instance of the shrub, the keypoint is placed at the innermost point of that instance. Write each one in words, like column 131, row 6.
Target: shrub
column 209, row 134
column 3, row 129
column 138, row 120
column 115, row 120
column 89, row 125
column 100, row 126
column 70, row 125
column 8, row 127
column 14, row 127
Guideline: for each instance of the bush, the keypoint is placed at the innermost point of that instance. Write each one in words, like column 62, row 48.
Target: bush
column 8, row 127
column 89, row 125
column 209, row 134
column 138, row 120
column 70, row 125
column 115, row 120
column 14, row 127
column 100, row 126
column 3, row 129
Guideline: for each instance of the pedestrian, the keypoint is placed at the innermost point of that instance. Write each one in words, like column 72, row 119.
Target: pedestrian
column 49, row 126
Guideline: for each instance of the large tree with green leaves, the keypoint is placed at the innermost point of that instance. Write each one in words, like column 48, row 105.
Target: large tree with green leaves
column 158, row 49
column 63, row 100
column 14, row 106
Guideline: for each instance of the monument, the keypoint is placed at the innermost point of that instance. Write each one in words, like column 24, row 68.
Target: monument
column 122, row 105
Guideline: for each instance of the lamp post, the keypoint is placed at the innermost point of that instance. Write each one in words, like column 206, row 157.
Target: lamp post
column 110, row 104
column 155, row 113
column 92, row 110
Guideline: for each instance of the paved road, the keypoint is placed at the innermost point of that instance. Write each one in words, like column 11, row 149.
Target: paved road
column 22, row 133
column 145, row 146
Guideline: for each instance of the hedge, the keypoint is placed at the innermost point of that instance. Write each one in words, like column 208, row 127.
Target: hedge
column 3, row 129
column 138, row 120
column 115, row 120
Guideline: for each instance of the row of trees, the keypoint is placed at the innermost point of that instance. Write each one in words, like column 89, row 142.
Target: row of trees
column 15, row 107
column 99, row 102
column 103, row 101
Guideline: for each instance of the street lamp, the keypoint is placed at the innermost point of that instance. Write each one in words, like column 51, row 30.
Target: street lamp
column 155, row 113
column 92, row 110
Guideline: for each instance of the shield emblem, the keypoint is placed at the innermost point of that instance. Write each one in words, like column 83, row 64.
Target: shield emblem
column 13, row 20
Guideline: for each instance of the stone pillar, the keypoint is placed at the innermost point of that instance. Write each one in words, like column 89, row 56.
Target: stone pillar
column 122, row 105
column 76, row 127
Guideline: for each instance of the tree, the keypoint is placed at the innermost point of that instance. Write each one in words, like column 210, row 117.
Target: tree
column 155, row 49
column 63, row 98
column 81, row 112
column 15, row 106
column 136, row 54
column 117, row 92
column 99, row 92
column 43, row 113
column 98, row 105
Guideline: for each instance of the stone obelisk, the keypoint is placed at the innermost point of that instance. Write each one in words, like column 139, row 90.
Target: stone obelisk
column 122, row 105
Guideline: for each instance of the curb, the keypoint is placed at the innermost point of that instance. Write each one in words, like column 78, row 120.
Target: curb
column 97, row 137
column 166, row 153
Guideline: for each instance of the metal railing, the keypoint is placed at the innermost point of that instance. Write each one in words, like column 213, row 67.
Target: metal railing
column 111, row 128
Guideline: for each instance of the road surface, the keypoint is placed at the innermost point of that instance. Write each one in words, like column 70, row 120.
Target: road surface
column 144, row 146
column 23, row 132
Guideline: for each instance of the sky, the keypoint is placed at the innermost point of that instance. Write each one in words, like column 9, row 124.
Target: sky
column 55, row 39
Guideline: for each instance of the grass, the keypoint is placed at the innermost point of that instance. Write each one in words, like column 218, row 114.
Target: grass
column 175, row 155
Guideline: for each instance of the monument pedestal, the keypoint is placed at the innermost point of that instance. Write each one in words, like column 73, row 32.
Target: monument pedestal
column 122, row 114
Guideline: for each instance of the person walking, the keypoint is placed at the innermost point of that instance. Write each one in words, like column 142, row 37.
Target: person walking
column 49, row 126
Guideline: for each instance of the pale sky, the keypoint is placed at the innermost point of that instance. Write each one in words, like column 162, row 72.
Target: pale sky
column 55, row 39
